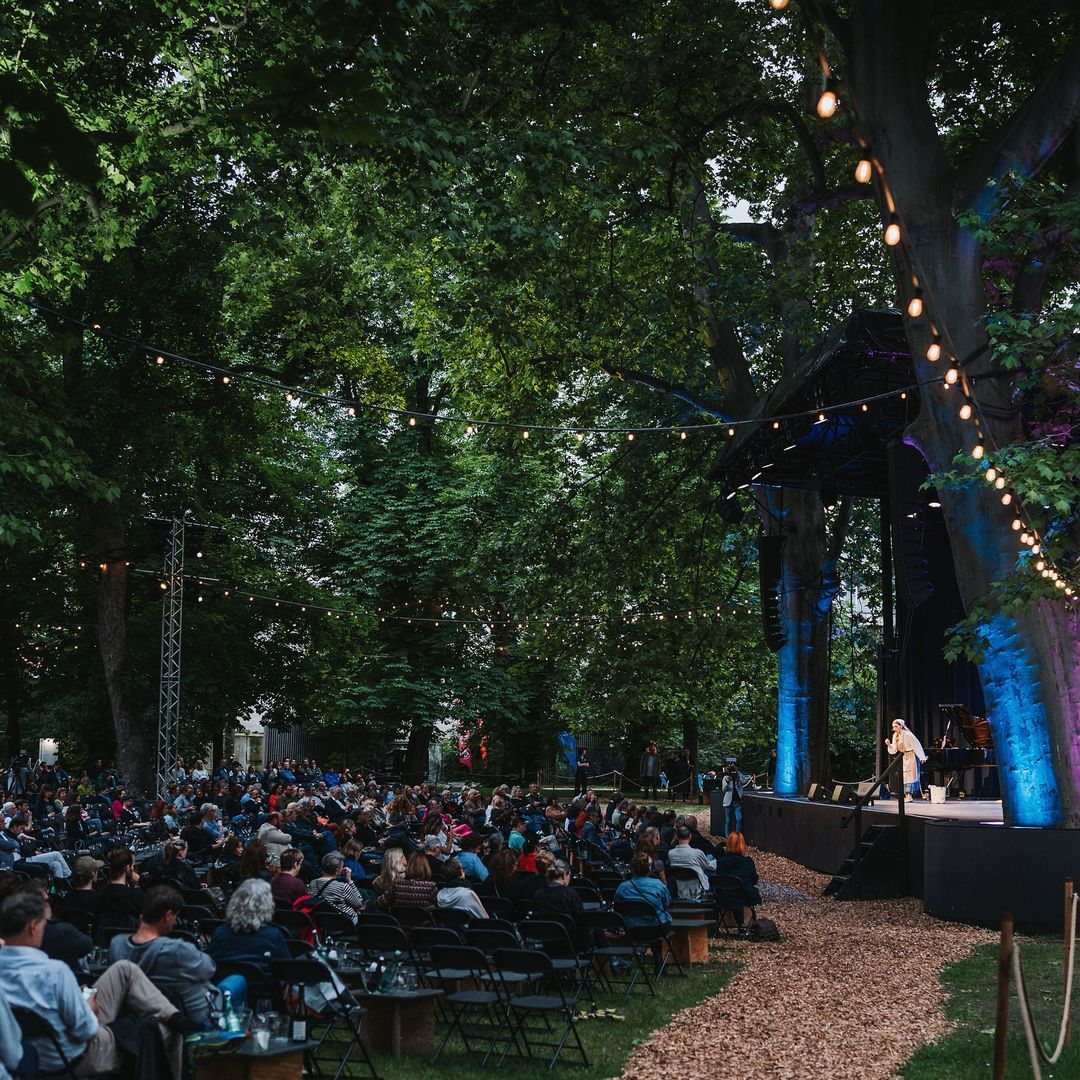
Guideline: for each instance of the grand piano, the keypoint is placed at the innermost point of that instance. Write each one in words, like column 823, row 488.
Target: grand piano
column 962, row 761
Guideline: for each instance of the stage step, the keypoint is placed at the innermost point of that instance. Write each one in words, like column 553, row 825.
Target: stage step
column 872, row 870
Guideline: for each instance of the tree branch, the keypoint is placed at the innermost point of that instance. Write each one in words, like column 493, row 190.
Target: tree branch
column 1024, row 142
column 662, row 386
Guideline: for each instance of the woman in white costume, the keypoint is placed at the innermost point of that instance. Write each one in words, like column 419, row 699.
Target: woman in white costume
column 904, row 742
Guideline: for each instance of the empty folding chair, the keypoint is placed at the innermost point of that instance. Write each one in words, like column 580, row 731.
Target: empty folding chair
column 476, row 1000
column 623, row 956
column 340, row 1014
column 295, row 924
column 570, row 964
column 332, row 925
column 543, row 998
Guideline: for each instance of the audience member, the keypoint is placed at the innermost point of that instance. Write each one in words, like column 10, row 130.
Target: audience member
column 248, row 933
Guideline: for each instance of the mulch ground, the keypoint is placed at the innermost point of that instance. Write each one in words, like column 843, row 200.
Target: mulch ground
column 849, row 992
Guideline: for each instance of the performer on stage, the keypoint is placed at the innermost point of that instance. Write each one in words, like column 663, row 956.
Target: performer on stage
column 581, row 772
column 650, row 770
column 904, row 742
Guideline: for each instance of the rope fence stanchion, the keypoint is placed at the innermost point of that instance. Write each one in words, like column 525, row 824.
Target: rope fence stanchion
column 1010, row 962
column 1001, row 1020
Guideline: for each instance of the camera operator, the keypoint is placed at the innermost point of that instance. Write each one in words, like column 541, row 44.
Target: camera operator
column 732, row 787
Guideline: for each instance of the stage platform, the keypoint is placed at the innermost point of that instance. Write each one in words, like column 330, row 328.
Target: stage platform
column 963, row 862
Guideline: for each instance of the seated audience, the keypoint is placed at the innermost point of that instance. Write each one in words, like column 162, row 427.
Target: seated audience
column 415, row 889
column 122, row 895
column 248, row 933
column 393, row 868
column 180, row 970
column 83, row 899
column 458, row 895
column 335, row 887
column 176, row 870
column 286, row 885
column 687, row 857
column 734, row 862
column 91, row 1031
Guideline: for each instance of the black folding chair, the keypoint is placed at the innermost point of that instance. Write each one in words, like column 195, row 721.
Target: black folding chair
column 620, row 952
column 557, row 943
column 341, row 1013
column 298, row 949
column 732, row 897
column 376, row 918
column 478, row 1014
column 333, row 924
column 454, row 917
column 649, row 932
column 498, row 907
column 108, row 926
column 259, row 985
column 543, row 998
column 35, row 1028
column 295, row 923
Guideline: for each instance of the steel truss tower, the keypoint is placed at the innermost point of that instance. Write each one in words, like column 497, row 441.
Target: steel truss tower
column 172, row 611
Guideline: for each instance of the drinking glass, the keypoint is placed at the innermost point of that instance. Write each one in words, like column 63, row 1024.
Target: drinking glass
column 260, row 1032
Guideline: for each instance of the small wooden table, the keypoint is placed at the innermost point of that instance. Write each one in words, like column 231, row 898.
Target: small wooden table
column 399, row 1022
column 281, row 1060
column 690, row 941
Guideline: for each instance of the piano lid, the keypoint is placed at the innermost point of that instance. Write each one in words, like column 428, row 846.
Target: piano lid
column 976, row 729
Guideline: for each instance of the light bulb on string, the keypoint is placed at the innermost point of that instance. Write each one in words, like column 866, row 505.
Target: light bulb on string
column 915, row 306
column 999, row 483
column 352, row 411
column 892, row 233
column 778, row 5
column 731, row 432
column 991, row 474
column 225, row 380
column 525, row 434
column 865, row 407
column 412, row 421
column 1017, row 524
column 966, row 411
column 468, row 429
column 977, row 451
column 1006, row 498
column 864, row 171
column 951, row 376
column 827, row 102
column 933, row 351
column 159, row 360
column 682, row 434
column 629, row 436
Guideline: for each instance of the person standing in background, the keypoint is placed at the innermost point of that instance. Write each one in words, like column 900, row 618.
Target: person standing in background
column 581, row 772
column 650, row 770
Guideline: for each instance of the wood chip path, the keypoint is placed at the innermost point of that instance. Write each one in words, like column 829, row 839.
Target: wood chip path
column 848, row 994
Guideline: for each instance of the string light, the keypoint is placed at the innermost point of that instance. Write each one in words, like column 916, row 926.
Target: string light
column 915, row 306
column 864, row 171
column 892, row 233
column 778, row 5
column 827, row 103
column 965, row 411
column 951, row 376
column 159, row 360
column 525, row 433
column 977, row 451
column 933, row 351
column 991, row 475
column 412, row 421
column 225, row 380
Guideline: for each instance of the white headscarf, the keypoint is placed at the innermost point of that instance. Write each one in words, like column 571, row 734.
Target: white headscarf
column 912, row 742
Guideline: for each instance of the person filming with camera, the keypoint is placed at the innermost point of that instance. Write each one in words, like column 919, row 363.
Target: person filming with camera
column 732, row 787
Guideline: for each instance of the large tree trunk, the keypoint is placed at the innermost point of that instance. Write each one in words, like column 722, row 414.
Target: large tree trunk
column 416, row 754
column 132, row 751
column 9, row 657
column 1031, row 664
column 802, row 738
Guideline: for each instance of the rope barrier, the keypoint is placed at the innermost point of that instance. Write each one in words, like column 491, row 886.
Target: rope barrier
column 1035, row 1046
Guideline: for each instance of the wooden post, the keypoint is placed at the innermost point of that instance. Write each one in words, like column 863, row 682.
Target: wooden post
column 1001, row 1021
column 1067, row 957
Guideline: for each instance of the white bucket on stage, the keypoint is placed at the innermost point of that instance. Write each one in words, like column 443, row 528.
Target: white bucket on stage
column 937, row 794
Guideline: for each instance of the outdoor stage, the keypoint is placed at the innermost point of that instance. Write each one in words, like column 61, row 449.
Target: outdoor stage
column 963, row 862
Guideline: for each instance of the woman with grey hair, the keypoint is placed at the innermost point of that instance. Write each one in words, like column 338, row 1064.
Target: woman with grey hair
column 334, row 886
column 248, row 932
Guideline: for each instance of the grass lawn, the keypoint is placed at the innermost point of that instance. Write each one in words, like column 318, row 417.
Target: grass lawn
column 608, row 1043
column 971, row 986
